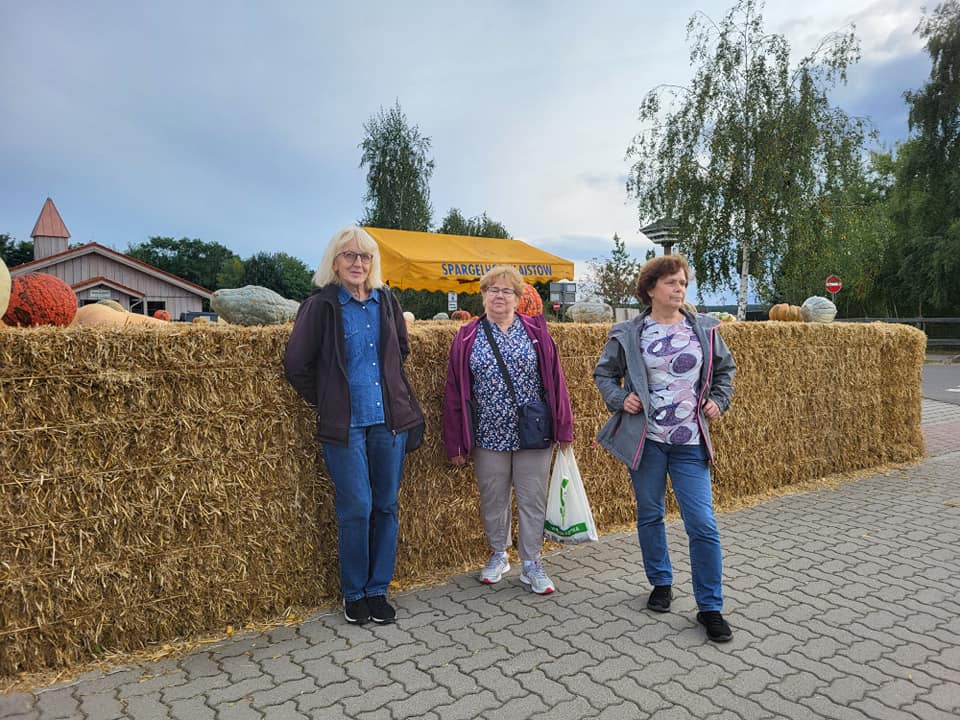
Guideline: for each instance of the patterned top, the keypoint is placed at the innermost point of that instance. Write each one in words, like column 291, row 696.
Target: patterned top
column 361, row 331
column 673, row 357
column 496, row 413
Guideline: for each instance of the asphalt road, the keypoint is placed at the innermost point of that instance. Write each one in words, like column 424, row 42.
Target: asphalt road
column 941, row 383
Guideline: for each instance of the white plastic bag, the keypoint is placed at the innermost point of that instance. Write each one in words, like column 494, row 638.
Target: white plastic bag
column 569, row 519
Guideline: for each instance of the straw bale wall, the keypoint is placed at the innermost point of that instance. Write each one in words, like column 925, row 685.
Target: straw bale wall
column 164, row 483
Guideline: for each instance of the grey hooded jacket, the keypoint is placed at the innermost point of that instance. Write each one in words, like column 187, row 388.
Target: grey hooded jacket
column 621, row 371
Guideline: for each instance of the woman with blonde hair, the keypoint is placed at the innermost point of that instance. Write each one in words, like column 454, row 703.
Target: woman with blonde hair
column 345, row 357
column 499, row 362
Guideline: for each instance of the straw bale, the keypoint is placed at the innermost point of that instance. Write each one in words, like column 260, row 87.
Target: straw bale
column 158, row 484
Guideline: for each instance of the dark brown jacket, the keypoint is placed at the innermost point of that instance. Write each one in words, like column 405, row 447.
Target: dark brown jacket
column 315, row 364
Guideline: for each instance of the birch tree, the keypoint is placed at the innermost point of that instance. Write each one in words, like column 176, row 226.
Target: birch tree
column 742, row 157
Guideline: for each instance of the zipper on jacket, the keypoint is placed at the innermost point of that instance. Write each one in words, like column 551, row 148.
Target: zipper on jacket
column 703, row 389
column 636, row 457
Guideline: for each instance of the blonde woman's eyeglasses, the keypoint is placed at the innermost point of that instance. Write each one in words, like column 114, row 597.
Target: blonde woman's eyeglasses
column 500, row 291
column 351, row 257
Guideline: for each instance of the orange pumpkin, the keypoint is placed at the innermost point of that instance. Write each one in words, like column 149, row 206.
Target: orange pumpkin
column 530, row 302
column 40, row 299
column 462, row 315
column 162, row 315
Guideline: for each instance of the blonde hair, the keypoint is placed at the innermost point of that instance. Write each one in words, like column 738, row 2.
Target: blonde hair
column 503, row 271
column 325, row 274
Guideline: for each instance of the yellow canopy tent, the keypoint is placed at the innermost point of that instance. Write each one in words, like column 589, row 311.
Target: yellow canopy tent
column 431, row 261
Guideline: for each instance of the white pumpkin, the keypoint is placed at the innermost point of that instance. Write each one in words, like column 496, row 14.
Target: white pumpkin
column 818, row 309
column 4, row 288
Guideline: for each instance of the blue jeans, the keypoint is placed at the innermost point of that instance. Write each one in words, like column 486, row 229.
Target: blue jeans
column 366, row 477
column 690, row 478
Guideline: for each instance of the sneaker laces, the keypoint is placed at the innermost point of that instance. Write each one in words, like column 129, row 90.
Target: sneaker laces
column 535, row 570
column 495, row 561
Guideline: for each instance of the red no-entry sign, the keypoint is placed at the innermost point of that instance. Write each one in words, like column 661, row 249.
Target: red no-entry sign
column 833, row 284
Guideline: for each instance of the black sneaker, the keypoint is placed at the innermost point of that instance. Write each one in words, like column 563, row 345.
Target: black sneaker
column 380, row 610
column 659, row 600
column 717, row 628
column 356, row 611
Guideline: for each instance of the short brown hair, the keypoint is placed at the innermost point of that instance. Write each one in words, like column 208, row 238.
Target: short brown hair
column 657, row 268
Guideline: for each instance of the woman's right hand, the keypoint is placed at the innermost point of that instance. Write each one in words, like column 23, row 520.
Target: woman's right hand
column 632, row 404
column 459, row 460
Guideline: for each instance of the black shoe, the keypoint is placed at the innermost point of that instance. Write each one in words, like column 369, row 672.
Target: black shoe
column 380, row 610
column 659, row 600
column 356, row 611
column 717, row 628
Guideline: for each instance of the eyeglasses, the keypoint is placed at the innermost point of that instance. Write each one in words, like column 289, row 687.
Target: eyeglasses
column 351, row 257
column 500, row 291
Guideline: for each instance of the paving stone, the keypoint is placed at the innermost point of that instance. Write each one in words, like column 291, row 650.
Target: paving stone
column 194, row 708
column 235, row 691
column 286, row 711
column 280, row 694
column 598, row 695
column 495, row 681
column 328, row 696
column 238, row 710
column 454, row 680
column 525, row 706
column 419, row 704
column 57, row 703
column 146, row 707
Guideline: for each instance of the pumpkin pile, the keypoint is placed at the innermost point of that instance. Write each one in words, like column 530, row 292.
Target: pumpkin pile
column 40, row 299
column 461, row 315
column 785, row 311
column 530, row 302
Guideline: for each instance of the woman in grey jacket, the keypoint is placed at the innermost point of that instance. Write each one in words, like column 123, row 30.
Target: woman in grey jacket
column 665, row 374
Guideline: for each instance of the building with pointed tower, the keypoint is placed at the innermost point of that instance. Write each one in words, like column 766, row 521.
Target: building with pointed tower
column 96, row 272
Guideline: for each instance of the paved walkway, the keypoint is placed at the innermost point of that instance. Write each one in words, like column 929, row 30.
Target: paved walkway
column 845, row 604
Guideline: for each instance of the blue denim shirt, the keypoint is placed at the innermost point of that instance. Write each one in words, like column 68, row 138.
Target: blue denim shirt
column 361, row 330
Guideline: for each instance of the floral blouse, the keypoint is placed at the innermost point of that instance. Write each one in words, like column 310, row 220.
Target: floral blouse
column 495, row 410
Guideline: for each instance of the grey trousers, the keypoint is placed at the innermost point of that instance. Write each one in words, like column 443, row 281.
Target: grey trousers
column 526, row 472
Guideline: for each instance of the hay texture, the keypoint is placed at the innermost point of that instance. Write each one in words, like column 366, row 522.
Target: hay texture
column 164, row 483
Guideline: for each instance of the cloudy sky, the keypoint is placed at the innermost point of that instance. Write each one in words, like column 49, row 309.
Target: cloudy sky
column 238, row 122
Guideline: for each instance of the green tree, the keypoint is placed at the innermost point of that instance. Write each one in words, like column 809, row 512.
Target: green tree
column 480, row 226
column 614, row 278
column 926, row 198
column 191, row 259
column 742, row 158
column 13, row 252
column 230, row 274
column 398, row 172
column 852, row 240
column 282, row 273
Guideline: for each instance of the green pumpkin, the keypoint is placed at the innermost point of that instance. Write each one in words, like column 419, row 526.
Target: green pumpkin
column 818, row 309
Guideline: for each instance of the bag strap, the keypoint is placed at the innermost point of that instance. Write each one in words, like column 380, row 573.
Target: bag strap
column 500, row 362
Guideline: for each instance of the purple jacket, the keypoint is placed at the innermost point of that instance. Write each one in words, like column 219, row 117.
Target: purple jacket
column 457, row 435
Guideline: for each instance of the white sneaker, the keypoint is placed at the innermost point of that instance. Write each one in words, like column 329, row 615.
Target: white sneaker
column 496, row 566
column 536, row 577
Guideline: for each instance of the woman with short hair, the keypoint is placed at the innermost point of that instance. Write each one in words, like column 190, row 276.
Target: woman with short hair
column 480, row 420
column 666, row 375
column 345, row 357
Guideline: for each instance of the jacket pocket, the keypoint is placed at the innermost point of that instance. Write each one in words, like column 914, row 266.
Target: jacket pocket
column 621, row 435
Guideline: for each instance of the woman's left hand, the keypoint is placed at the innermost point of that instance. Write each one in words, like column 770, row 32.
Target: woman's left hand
column 564, row 445
column 711, row 410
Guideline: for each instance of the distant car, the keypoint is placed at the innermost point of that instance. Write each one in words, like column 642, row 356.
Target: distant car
column 189, row 316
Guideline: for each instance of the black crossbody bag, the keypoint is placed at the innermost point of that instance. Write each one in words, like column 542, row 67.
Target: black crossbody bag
column 535, row 427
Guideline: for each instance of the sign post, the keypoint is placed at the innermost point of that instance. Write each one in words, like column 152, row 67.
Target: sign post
column 833, row 286
column 451, row 301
